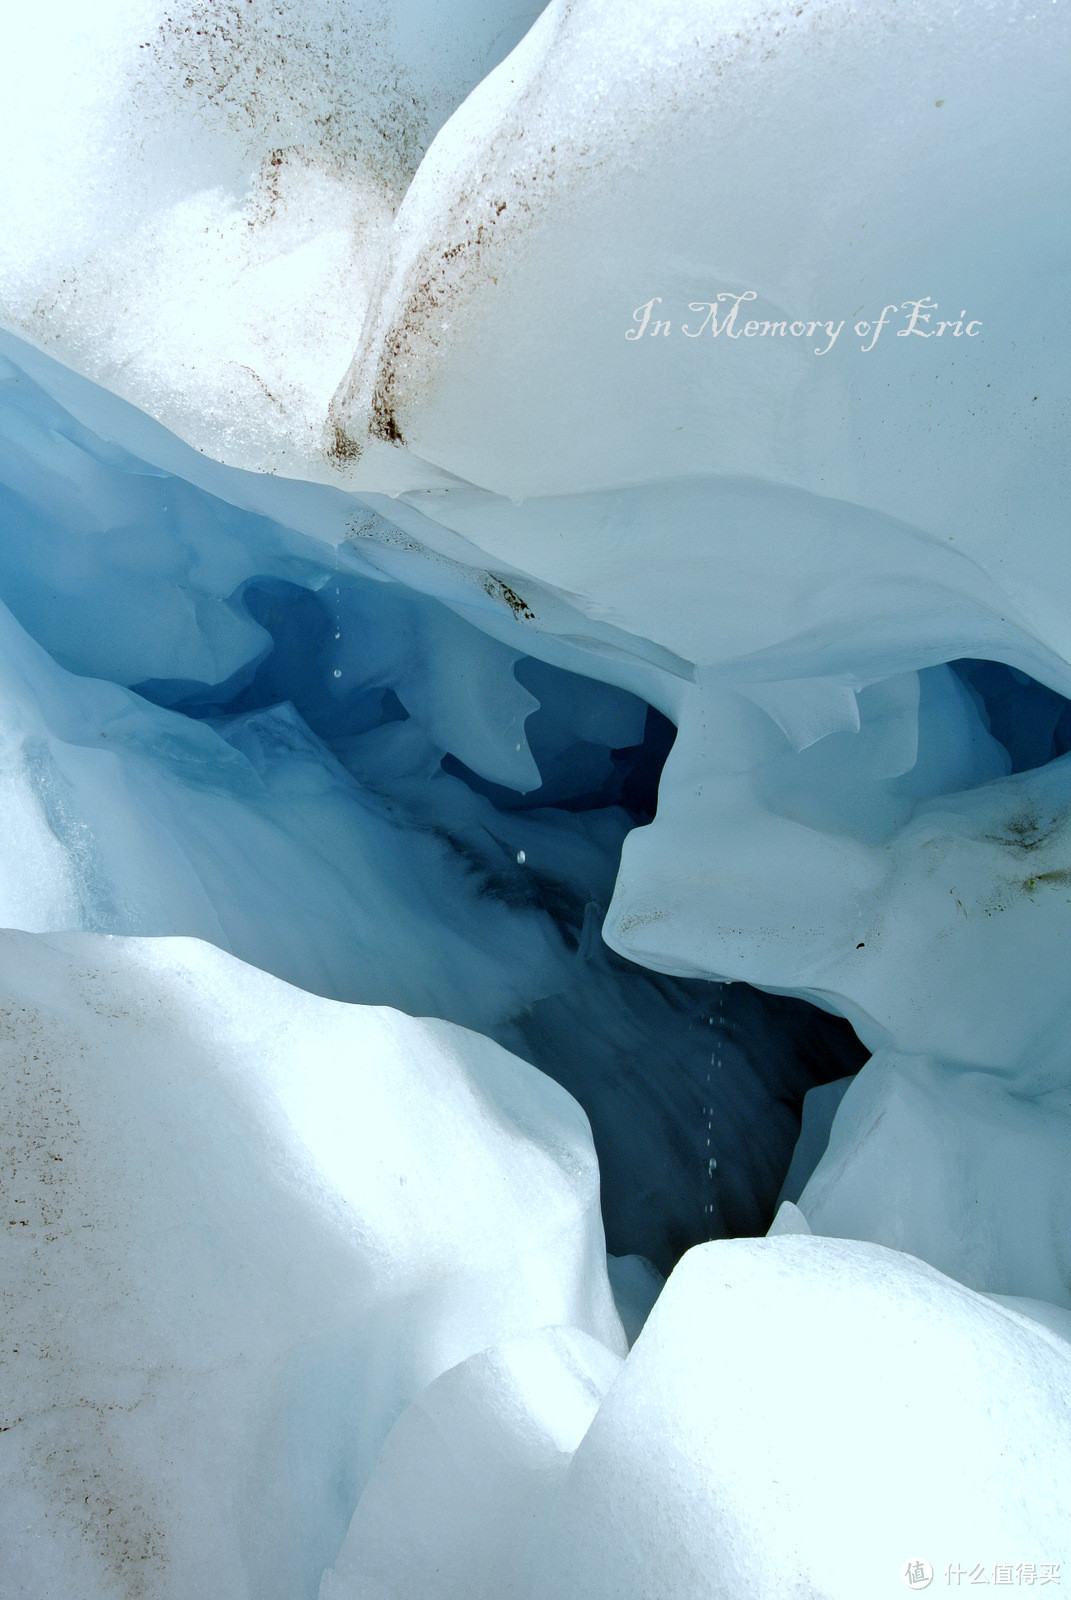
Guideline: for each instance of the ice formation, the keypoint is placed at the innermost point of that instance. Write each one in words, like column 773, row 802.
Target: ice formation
column 533, row 603
column 246, row 1226
column 743, row 1450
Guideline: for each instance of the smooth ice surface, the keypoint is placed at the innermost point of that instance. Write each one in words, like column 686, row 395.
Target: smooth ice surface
column 819, row 1108
column 826, row 162
column 120, row 569
column 789, row 1219
column 803, row 1416
column 244, row 1227
column 954, row 1166
column 636, row 1285
column 467, row 1477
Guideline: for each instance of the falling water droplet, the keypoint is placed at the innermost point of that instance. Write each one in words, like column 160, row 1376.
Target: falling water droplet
column 520, row 858
column 338, row 672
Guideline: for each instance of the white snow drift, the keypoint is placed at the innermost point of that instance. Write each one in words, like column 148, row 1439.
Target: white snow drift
column 242, row 1228
column 745, row 1448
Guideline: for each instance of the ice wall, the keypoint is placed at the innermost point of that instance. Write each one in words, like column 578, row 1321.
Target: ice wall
column 351, row 785
column 602, row 312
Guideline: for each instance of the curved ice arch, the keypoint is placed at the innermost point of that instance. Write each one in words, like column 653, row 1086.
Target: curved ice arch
column 924, row 896
column 362, row 844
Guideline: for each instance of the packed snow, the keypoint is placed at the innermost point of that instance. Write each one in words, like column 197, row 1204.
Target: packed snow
column 245, row 1227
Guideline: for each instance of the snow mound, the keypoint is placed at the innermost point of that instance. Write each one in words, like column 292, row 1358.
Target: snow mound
column 805, row 1416
column 244, row 1228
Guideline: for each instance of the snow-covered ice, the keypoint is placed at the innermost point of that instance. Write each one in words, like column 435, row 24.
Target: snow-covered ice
column 244, row 1226
column 803, row 1416
column 195, row 195
column 743, row 1447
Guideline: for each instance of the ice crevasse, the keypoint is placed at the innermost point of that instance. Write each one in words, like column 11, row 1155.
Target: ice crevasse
column 534, row 593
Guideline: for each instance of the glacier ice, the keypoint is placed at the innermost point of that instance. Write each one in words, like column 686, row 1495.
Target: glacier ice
column 321, row 802
column 953, row 1166
column 196, row 194
column 470, row 1471
column 735, row 1451
column 820, row 1106
column 636, row 1285
column 745, row 1448
column 389, row 611
column 244, row 1227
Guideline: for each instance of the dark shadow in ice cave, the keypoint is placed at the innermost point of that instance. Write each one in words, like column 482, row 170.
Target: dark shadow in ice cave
column 693, row 1089
column 1033, row 723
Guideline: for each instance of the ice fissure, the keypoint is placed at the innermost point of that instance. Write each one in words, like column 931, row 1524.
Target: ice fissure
column 536, row 889
column 441, row 817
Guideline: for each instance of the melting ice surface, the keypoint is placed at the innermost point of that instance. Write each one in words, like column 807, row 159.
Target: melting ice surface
column 479, row 794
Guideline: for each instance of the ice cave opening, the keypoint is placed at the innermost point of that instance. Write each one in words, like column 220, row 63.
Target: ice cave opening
column 693, row 1089
column 516, row 779
column 522, row 780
